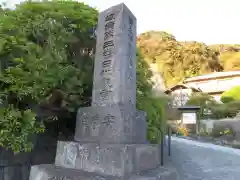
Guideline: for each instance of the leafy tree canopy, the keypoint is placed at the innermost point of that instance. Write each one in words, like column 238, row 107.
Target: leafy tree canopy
column 204, row 101
column 43, row 66
column 227, row 110
column 228, row 55
column 201, row 99
column 178, row 60
column 46, row 60
column 209, row 108
column 231, row 95
column 154, row 106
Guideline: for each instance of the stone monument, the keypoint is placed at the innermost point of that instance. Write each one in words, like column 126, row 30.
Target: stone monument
column 110, row 136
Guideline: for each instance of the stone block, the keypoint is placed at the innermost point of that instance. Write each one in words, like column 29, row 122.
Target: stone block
column 108, row 159
column 114, row 86
column 51, row 172
column 115, row 58
column 110, row 125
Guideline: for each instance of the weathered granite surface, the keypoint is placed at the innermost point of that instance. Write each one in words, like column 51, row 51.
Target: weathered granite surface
column 115, row 58
column 51, row 172
column 113, row 116
column 111, row 125
column 111, row 134
column 110, row 159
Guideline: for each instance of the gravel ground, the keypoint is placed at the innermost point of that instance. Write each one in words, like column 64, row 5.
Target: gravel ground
column 194, row 160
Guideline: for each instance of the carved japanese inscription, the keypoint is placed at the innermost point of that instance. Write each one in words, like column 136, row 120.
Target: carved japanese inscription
column 108, row 48
column 84, row 118
column 114, row 74
column 95, row 120
column 83, row 155
column 70, row 154
column 95, row 124
column 129, row 63
column 108, row 120
column 114, row 85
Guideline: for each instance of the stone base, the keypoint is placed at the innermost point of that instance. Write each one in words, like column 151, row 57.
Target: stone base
column 51, row 172
column 108, row 159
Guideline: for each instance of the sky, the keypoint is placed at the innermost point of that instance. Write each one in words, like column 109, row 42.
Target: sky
column 208, row 21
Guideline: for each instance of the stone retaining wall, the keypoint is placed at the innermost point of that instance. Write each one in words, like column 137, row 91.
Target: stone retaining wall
column 17, row 167
column 233, row 124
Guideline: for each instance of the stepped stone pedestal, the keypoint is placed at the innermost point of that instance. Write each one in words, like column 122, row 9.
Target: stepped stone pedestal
column 110, row 136
column 109, row 159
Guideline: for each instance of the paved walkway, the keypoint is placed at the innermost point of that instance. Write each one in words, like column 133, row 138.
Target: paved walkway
column 202, row 161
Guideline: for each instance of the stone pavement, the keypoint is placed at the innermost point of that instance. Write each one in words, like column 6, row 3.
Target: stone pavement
column 203, row 161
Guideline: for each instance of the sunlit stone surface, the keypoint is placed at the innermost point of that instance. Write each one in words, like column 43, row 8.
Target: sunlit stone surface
column 110, row 136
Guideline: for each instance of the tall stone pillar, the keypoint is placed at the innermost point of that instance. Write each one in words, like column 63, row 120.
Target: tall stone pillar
column 110, row 136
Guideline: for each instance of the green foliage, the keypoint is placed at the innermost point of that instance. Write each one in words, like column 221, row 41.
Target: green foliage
column 229, row 56
column 15, row 127
column 217, row 110
column 221, row 131
column 202, row 132
column 201, row 99
column 46, row 61
column 231, row 95
column 230, row 110
column 154, row 106
column 144, row 74
column 204, row 101
column 41, row 53
column 177, row 60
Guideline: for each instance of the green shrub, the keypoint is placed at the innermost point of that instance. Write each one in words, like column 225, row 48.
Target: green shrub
column 221, row 131
column 46, row 60
column 230, row 110
column 202, row 132
column 39, row 52
column 204, row 101
column 231, row 95
column 218, row 110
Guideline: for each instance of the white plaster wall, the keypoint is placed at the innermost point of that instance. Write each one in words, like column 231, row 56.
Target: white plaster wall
column 216, row 85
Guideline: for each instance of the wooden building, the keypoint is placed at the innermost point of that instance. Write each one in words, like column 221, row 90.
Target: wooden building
column 213, row 84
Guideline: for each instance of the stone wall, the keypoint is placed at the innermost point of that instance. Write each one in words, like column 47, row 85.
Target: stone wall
column 207, row 125
column 17, row 167
column 233, row 123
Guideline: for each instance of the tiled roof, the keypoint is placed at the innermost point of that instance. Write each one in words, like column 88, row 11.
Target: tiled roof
column 213, row 75
column 183, row 86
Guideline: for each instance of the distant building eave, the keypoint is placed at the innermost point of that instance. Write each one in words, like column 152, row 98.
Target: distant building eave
column 188, row 108
column 216, row 75
column 182, row 86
